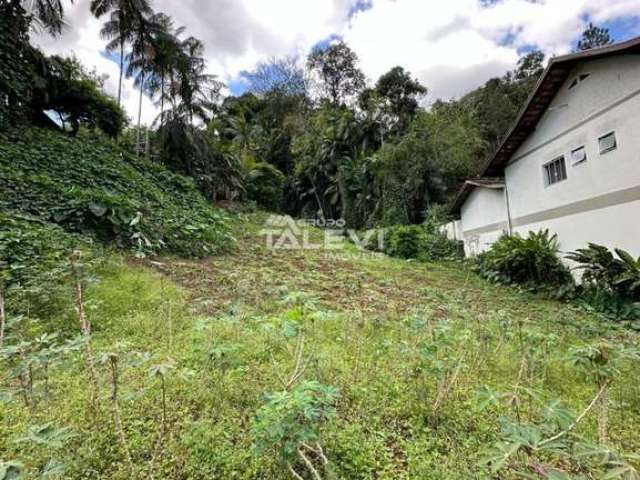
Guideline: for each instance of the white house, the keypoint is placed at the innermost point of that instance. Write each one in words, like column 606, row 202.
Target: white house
column 571, row 162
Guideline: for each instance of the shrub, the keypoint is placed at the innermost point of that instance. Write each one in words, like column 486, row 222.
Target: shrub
column 265, row 185
column 34, row 263
column 405, row 241
column 601, row 269
column 31, row 249
column 290, row 418
column 530, row 261
column 89, row 185
column 373, row 239
column 439, row 247
column 610, row 284
column 414, row 241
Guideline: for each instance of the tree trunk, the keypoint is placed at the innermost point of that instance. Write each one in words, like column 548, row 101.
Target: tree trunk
column 342, row 189
column 162, row 99
column 3, row 318
column 121, row 73
column 138, row 138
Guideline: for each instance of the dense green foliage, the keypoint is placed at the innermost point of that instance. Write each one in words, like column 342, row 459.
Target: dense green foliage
column 32, row 83
column 496, row 104
column 405, row 241
column 265, row 186
column 594, row 37
column 15, row 68
column 530, row 261
column 91, row 186
column 611, row 282
column 32, row 250
column 75, row 97
column 290, row 418
column 416, row 242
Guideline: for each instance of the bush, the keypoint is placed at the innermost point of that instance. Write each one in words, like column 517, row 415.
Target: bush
column 414, row 241
column 31, row 249
column 439, row 247
column 601, row 269
column 34, row 264
column 610, row 284
column 405, row 241
column 89, row 185
column 531, row 261
column 265, row 185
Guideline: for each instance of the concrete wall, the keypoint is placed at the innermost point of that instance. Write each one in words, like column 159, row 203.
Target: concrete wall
column 600, row 199
column 483, row 219
column 453, row 230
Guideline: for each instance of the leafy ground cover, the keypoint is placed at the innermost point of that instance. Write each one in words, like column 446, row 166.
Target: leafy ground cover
column 226, row 367
column 90, row 185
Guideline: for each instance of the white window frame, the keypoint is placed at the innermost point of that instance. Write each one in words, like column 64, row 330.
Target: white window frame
column 579, row 162
column 615, row 144
column 546, row 171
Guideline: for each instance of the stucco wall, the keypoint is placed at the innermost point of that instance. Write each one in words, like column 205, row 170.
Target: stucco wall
column 614, row 227
column 600, row 199
column 483, row 219
column 453, row 230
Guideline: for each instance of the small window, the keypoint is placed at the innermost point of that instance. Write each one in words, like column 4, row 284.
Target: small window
column 607, row 143
column 578, row 80
column 578, row 156
column 555, row 171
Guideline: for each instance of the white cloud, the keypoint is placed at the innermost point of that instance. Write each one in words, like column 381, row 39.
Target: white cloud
column 456, row 45
column 451, row 46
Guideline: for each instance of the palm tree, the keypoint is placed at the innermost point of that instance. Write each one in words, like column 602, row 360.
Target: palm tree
column 48, row 13
column 139, row 60
column 198, row 90
column 166, row 50
column 119, row 29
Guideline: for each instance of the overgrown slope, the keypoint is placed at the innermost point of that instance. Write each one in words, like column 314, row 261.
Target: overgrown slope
column 89, row 185
column 440, row 374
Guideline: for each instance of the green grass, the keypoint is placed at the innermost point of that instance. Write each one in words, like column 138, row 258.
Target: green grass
column 229, row 325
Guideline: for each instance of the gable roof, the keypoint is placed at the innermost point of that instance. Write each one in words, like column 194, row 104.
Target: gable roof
column 469, row 185
column 548, row 85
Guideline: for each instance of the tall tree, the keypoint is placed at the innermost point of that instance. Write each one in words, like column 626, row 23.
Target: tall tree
column 197, row 90
column 496, row 103
column 594, row 37
column 336, row 67
column 530, row 65
column 166, row 53
column 394, row 100
column 120, row 28
column 139, row 61
column 47, row 13
column 277, row 75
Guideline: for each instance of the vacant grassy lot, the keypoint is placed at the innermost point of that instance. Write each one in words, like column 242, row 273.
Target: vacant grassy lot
column 431, row 367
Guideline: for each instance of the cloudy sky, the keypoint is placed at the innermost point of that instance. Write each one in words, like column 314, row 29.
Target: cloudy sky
column 452, row 46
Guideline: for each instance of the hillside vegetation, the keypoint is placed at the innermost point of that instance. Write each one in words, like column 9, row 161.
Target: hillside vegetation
column 391, row 369
column 89, row 185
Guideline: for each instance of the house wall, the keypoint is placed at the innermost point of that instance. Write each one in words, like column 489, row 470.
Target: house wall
column 453, row 230
column 483, row 219
column 600, row 199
